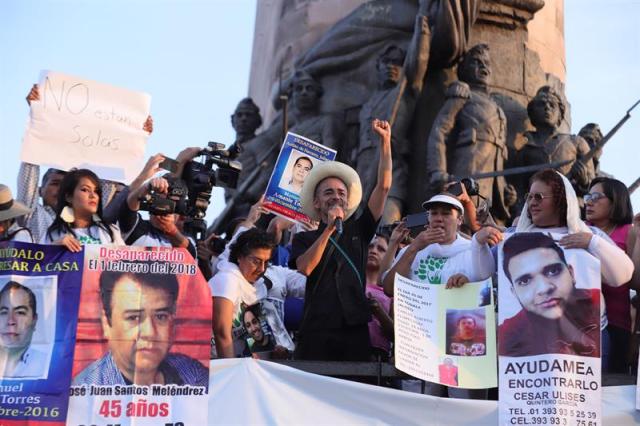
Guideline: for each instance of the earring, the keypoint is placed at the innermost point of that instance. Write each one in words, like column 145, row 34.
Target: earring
column 96, row 218
column 67, row 214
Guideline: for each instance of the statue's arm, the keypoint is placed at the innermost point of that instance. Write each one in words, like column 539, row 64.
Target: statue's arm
column 418, row 54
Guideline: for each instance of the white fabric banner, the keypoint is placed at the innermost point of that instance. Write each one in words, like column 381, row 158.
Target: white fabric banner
column 248, row 391
column 85, row 124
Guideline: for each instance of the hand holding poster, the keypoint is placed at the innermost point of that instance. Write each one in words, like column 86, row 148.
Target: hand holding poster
column 39, row 293
column 446, row 336
column 144, row 334
column 86, row 124
column 297, row 158
column 549, row 332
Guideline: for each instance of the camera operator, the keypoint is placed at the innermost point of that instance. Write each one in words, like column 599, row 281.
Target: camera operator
column 159, row 230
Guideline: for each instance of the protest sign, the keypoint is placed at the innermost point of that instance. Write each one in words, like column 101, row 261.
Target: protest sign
column 86, row 124
column 297, row 158
column 39, row 294
column 144, row 334
column 548, row 333
column 446, row 336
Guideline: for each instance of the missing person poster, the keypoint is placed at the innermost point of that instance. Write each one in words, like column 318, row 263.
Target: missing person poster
column 548, row 332
column 144, row 333
column 86, row 124
column 297, row 158
column 39, row 294
column 446, row 336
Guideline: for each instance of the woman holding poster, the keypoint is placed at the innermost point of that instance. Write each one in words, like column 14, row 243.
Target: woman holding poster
column 79, row 214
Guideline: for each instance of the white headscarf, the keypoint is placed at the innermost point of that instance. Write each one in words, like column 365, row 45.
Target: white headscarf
column 574, row 223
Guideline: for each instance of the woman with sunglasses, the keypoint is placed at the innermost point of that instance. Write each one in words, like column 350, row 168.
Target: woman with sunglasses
column 79, row 214
column 608, row 207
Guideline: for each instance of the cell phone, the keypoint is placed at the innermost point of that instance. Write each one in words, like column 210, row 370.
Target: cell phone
column 416, row 222
column 455, row 189
column 169, row 164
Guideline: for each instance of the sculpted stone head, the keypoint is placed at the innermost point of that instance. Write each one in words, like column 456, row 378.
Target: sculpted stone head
column 475, row 66
column 246, row 118
column 306, row 92
column 389, row 66
column 547, row 108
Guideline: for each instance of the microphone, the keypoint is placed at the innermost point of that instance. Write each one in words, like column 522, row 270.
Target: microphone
column 338, row 224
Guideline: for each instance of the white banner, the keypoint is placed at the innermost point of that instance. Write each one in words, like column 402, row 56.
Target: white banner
column 86, row 124
column 548, row 332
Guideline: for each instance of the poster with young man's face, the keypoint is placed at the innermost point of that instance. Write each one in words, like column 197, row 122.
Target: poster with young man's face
column 548, row 330
column 145, row 326
column 297, row 158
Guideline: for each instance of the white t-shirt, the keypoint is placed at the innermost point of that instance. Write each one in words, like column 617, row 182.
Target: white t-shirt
column 92, row 235
column 286, row 282
column 435, row 263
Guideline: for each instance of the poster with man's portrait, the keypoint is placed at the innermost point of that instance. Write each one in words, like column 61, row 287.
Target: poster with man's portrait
column 39, row 294
column 466, row 332
column 548, row 329
column 298, row 156
column 144, row 331
column 443, row 336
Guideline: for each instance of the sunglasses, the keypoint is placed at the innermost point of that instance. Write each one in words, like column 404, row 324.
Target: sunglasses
column 537, row 196
column 592, row 197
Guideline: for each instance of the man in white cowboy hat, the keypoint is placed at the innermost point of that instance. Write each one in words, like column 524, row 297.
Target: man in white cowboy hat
column 333, row 257
column 439, row 255
column 10, row 210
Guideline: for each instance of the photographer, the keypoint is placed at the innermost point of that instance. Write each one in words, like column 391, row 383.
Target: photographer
column 159, row 230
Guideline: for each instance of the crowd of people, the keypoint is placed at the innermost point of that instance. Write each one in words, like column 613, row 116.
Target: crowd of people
column 324, row 290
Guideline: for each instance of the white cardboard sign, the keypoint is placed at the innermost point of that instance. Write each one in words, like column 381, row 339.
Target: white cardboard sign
column 86, row 124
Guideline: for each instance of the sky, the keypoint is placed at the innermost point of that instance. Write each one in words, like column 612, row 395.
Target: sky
column 193, row 57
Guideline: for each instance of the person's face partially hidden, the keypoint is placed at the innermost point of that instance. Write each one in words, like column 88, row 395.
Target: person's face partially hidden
column 330, row 192
column 541, row 282
column 300, row 170
column 254, row 264
column 466, row 328
column 377, row 248
column 49, row 191
column 141, row 330
column 447, row 218
column 17, row 319
column 253, row 327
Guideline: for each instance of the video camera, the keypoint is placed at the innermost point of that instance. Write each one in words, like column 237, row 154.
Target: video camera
column 189, row 195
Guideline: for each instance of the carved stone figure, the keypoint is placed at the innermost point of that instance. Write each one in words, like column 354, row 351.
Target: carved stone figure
column 395, row 103
column 245, row 120
column 546, row 145
column 591, row 133
column 469, row 133
column 306, row 118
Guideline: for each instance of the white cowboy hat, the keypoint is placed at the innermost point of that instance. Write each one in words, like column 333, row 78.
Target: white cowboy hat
column 443, row 199
column 10, row 208
column 331, row 169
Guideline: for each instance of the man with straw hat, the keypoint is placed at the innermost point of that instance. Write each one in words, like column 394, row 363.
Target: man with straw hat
column 10, row 210
column 333, row 257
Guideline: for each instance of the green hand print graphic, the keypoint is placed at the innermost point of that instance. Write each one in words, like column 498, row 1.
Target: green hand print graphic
column 430, row 269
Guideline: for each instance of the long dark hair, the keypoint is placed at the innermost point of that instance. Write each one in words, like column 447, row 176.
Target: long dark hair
column 67, row 187
column 621, row 210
